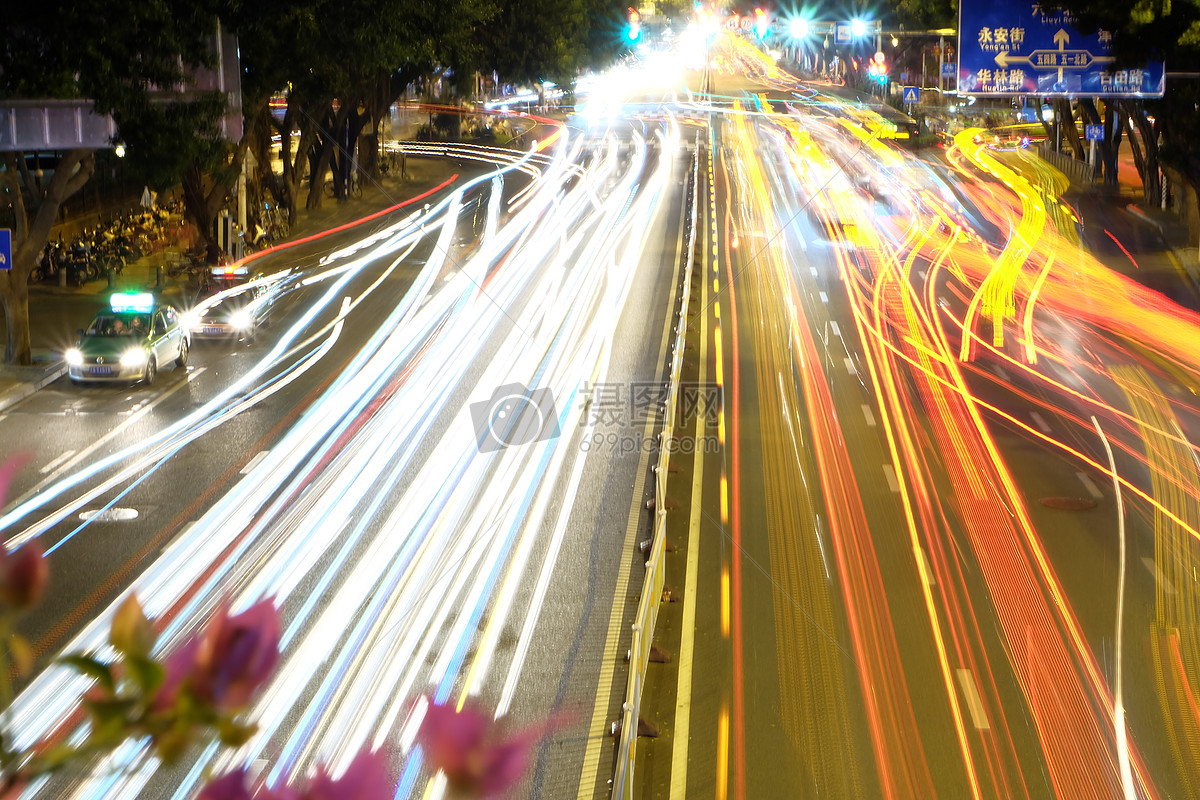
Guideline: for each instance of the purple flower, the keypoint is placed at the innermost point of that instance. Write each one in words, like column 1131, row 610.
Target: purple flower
column 8, row 469
column 477, row 756
column 228, row 661
column 24, row 574
column 230, row 786
column 365, row 779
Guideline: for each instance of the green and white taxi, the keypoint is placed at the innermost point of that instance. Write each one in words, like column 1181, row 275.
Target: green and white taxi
column 129, row 341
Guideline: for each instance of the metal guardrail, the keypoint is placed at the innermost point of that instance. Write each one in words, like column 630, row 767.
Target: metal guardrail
column 652, row 588
column 1073, row 168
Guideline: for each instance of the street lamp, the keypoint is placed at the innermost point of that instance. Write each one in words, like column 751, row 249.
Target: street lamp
column 858, row 28
column 799, row 28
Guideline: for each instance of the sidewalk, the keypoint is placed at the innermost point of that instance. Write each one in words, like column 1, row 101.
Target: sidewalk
column 56, row 313
column 1163, row 235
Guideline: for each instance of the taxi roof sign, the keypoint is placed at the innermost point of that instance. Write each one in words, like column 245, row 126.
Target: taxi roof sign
column 139, row 301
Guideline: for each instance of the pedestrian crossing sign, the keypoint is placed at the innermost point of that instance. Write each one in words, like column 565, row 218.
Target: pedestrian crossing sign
column 912, row 95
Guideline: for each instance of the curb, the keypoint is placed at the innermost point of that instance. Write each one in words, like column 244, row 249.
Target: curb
column 19, row 390
column 1184, row 259
column 1144, row 217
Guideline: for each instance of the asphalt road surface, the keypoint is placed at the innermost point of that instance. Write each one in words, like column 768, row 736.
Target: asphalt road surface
column 934, row 527
column 907, row 571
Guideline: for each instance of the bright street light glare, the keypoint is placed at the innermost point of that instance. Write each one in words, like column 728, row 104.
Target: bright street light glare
column 799, row 28
column 858, row 27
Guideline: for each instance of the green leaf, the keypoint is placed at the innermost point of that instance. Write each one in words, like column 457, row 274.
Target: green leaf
column 147, row 673
column 234, row 734
column 92, row 668
column 131, row 633
column 22, row 653
column 110, row 716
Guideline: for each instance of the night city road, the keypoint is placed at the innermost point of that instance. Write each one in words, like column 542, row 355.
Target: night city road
column 932, row 509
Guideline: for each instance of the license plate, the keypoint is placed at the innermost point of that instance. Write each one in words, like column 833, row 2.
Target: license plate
column 100, row 371
column 214, row 330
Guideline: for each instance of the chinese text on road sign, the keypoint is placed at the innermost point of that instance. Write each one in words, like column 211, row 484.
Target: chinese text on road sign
column 1011, row 47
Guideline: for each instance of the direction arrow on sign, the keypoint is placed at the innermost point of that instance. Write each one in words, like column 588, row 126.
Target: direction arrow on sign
column 1014, row 47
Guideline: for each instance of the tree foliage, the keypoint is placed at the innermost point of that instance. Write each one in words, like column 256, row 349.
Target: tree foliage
column 56, row 50
column 927, row 14
column 534, row 40
column 342, row 63
column 1158, row 30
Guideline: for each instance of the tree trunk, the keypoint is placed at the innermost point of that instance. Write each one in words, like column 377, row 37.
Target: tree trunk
column 195, row 203
column 329, row 140
column 1187, row 203
column 15, row 296
column 1046, row 126
column 1066, row 121
column 1112, row 141
column 74, row 170
column 1147, row 164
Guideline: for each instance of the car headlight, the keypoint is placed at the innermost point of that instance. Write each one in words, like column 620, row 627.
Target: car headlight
column 242, row 319
column 133, row 358
column 190, row 321
column 73, row 357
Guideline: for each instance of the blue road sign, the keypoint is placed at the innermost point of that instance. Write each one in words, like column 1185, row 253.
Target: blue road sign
column 912, row 95
column 948, row 69
column 5, row 248
column 1094, row 132
column 843, row 33
column 1013, row 47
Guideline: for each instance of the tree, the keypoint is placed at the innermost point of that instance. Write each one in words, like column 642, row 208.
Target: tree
column 927, row 14
column 534, row 40
column 342, row 65
column 55, row 52
column 1155, row 30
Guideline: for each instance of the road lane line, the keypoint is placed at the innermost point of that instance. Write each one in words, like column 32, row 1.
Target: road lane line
column 1037, row 420
column 833, row 326
column 1090, row 485
column 1158, row 576
column 925, row 571
column 54, row 464
column 597, row 734
column 850, row 366
column 78, row 458
column 723, row 754
column 1124, row 766
column 971, row 694
column 824, row 297
column 687, row 642
column 869, row 415
column 1000, row 373
column 889, row 472
column 254, row 462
